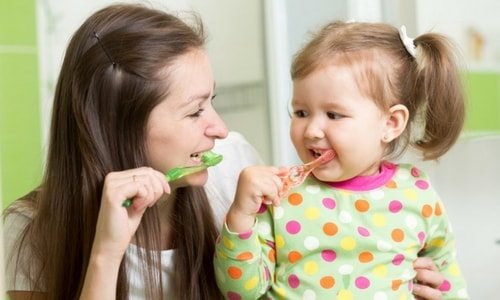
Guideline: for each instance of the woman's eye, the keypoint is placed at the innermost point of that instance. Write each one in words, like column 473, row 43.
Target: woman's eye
column 300, row 114
column 333, row 115
column 197, row 113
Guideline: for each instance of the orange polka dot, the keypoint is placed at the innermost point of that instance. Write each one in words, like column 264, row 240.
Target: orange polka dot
column 234, row 272
column 295, row 199
column 272, row 255
column 327, row 282
column 294, row 256
column 391, row 184
column 330, row 229
column 426, row 210
column 245, row 256
column 365, row 257
column 362, row 205
column 398, row 235
column 438, row 210
column 396, row 284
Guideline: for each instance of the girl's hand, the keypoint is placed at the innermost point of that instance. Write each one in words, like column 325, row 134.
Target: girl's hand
column 116, row 225
column 428, row 279
column 256, row 185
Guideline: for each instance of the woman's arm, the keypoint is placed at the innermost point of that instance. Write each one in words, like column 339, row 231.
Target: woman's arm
column 116, row 226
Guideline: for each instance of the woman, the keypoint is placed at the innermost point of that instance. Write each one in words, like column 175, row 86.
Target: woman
column 133, row 100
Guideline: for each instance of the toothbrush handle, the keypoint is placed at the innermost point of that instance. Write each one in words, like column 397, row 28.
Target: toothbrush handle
column 174, row 174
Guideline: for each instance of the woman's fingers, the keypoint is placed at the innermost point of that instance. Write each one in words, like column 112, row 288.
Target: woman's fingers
column 426, row 292
column 428, row 279
column 144, row 185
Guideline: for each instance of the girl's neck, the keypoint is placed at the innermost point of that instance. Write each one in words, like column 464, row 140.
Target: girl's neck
column 369, row 182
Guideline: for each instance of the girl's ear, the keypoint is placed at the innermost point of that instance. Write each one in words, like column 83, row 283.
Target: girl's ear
column 396, row 122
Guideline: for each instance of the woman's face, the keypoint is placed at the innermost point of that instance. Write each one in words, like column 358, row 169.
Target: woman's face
column 185, row 124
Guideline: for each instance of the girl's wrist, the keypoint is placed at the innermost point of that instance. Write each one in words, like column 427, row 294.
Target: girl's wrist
column 239, row 222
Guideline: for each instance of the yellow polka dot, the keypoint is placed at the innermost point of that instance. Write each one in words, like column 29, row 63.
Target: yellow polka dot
column 281, row 292
column 312, row 213
column 403, row 297
column 437, row 242
column 251, row 283
column 311, row 268
column 454, row 270
column 348, row 243
column 380, row 271
column 410, row 194
column 344, row 295
column 280, row 241
column 227, row 243
column 379, row 220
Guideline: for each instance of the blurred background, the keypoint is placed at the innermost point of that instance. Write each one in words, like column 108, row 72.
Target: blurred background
column 251, row 44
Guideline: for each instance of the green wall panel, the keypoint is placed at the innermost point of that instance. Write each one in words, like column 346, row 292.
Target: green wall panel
column 483, row 89
column 18, row 21
column 20, row 129
column 20, row 148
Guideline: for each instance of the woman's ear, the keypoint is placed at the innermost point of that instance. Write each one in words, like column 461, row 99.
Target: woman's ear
column 396, row 122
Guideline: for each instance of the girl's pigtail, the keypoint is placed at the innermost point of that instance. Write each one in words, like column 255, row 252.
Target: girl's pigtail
column 440, row 88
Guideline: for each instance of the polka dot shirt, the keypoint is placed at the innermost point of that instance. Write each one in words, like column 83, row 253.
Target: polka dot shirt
column 348, row 240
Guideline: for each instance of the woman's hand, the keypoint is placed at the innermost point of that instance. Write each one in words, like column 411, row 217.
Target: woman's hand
column 428, row 279
column 116, row 225
column 256, row 185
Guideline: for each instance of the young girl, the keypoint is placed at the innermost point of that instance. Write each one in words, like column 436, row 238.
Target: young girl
column 353, row 230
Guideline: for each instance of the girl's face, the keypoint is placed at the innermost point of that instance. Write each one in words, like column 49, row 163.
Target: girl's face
column 185, row 124
column 331, row 112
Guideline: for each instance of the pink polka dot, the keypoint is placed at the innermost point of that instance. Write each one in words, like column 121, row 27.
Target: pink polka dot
column 415, row 172
column 329, row 203
column 398, row 259
column 395, row 206
column 262, row 209
column 362, row 282
column 363, row 231
column 245, row 235
column 445, row 286
column 233, row 296
column 328, row 255
column 422, row 184
column 410, row 285
column 267, row 273
column 293, row 281
column 293, row 227
column 421, row 237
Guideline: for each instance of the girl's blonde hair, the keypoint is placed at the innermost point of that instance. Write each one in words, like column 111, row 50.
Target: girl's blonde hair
column 429, row 84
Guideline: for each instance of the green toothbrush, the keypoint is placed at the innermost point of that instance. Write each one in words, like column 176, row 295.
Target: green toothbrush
column 208, row 159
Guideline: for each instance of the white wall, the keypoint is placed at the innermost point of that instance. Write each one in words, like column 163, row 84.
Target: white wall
column 455, row 18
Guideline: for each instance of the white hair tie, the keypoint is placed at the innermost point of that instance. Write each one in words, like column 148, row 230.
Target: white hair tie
column 407, row 41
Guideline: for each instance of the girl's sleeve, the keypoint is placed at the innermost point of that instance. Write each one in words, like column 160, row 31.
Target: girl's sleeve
column 440, row 246
column 245, row 262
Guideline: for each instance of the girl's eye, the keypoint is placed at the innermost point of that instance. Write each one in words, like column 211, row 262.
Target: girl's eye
column 333, row 115
column 300, row 113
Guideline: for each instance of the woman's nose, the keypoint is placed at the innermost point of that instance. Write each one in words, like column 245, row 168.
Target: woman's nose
column 216, row 127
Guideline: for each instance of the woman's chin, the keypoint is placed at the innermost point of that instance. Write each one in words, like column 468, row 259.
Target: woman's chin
column 196, row 179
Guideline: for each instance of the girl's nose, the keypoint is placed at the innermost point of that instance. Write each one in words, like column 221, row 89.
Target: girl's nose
column 216, row 127
column 314, row 130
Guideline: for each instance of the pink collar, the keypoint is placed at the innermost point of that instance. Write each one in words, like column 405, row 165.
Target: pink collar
column 367, row 183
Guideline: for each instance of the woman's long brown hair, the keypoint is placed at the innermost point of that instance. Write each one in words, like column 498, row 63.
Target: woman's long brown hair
column 112, row 76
